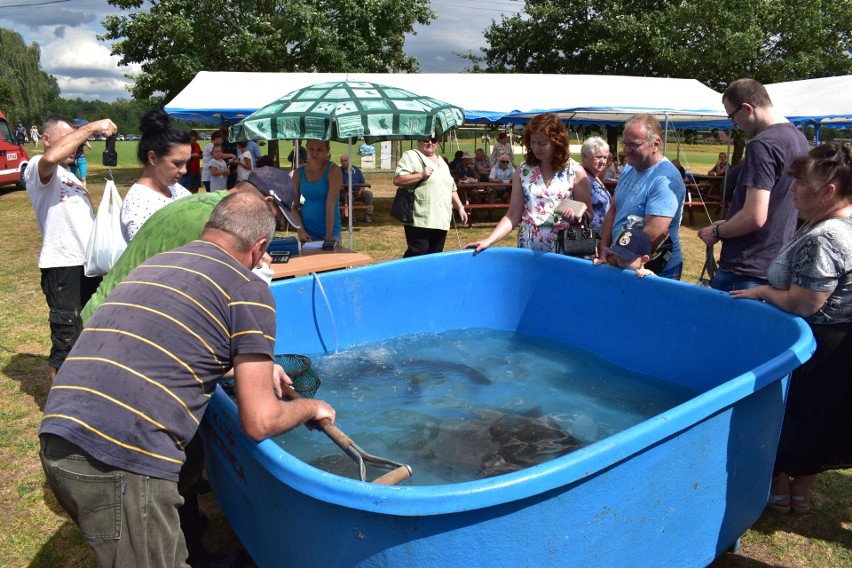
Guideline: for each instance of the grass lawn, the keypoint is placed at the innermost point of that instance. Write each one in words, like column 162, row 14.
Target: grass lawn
column 36, row 533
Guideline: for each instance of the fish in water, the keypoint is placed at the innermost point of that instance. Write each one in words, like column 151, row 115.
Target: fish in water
column 525, row 440
column 425, row 369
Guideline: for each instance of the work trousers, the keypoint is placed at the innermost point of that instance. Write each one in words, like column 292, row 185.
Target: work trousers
column 127, row 519
column 66, row 289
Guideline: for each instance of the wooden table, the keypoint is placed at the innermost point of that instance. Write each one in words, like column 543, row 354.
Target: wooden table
column 319, row 261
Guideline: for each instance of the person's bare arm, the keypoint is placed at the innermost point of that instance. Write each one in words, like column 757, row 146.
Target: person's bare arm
column 796, row 300
column 67, row 145
column 460, row 208
column 747, row 220
column 583, row 189
column 506, row 223
column 262, row 414
column 606, row 230
column 332, row 201
column 657, row 228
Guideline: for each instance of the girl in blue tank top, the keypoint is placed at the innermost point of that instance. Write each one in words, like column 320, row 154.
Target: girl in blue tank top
column 319, row 181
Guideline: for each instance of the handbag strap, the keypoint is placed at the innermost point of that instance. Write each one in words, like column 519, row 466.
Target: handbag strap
column 422, row 179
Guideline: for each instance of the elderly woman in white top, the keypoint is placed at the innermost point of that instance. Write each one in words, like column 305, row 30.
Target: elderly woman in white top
column 164, row 151
column 594, row 154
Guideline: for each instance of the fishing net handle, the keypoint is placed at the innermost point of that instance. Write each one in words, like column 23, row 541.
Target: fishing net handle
column 400, row 471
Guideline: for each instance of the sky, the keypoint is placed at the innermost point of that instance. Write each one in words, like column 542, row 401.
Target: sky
column 67, row 30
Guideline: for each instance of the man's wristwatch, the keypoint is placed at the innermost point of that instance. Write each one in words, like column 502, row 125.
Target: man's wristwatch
column 715, row 231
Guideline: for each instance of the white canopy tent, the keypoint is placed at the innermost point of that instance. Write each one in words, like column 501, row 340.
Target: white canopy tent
column 826, row 101
column 583, row 99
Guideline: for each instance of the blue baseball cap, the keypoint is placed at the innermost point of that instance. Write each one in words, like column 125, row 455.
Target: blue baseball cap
column 631, row 244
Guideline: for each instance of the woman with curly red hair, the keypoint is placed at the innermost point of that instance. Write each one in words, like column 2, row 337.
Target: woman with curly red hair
column 547, row 176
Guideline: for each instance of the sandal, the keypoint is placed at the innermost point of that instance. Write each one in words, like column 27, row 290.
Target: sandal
column 801, row 504
column 780, row 503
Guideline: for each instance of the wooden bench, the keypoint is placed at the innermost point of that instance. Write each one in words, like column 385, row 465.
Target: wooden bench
column 689, row 204
column 470, row 207
column 344, row 209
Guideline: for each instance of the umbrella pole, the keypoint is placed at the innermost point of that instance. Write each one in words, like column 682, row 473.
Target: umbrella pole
column 349, row 189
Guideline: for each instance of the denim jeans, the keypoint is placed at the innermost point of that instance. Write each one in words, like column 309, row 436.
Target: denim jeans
column 126, row 518
column 725, row 280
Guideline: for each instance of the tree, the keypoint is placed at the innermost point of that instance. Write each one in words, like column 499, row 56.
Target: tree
column 714, row 41
column 26, row 92
column 126, row 114
column 175, row 39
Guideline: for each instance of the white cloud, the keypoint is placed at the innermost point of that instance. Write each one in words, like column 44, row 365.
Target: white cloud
column 83, row 66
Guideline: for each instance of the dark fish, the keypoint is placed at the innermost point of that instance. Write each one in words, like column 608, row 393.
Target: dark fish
column 425, row 369
column 524, row 441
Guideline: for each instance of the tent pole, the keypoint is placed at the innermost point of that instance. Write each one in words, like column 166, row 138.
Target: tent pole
column 725, row 179
column 349, row 180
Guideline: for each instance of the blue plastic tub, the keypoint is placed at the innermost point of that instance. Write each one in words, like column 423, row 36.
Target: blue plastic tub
column 675, row 490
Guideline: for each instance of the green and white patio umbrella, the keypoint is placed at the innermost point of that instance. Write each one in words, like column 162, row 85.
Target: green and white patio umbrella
column 348, row 110
column 345, row 111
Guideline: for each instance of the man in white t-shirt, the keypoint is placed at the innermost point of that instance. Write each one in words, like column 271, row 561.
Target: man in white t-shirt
column 65, row 218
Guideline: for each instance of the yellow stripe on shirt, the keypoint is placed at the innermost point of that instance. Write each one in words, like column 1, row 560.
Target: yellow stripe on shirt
column 113, row 440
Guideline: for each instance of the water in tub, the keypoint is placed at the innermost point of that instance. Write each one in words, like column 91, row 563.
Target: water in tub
column 474, row 403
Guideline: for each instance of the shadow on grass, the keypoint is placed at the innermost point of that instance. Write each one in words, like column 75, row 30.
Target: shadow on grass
column 31, row 371
column 831, row 507
column 66, row 546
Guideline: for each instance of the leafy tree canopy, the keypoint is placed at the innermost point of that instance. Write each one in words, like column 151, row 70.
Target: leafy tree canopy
column 175, row 39
column 26, row 92
column 714, row 41
column 126, row 114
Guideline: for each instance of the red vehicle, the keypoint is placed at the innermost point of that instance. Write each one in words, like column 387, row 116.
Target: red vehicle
column 13, row 156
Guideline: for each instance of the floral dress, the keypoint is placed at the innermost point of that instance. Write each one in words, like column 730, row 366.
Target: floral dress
column 540, row 224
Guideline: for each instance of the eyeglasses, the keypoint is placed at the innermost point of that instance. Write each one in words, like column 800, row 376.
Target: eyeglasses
column 432, row 140
column 733, row 114
column 634, row 145
column 502, row 162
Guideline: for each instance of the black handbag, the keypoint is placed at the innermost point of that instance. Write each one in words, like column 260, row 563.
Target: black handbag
column 402, row 208
column 577, row 240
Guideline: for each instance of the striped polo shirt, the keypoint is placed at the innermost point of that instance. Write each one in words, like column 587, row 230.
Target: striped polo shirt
column 134, row 388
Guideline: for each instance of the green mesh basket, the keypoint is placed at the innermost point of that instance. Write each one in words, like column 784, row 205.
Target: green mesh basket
column 298, row 367
column 306, row 382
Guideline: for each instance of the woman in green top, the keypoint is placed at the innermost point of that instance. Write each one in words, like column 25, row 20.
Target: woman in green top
column 434, row 198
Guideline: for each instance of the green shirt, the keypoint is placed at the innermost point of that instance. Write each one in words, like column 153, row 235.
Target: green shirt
column 433, row 199
column 175, row 225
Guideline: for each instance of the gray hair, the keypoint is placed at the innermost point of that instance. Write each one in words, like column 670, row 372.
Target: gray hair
column 651, row 124
column 245, row 216
column 592, row 145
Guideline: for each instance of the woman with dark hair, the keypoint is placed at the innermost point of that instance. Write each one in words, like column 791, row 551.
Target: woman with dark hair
column 812, row 278
column 547, row 176
column 164, row 151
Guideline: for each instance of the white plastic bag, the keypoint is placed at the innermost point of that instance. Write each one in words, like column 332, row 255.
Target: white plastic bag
column 106, row 242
